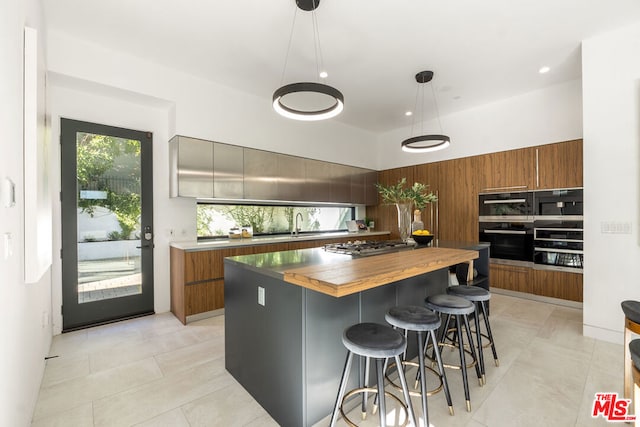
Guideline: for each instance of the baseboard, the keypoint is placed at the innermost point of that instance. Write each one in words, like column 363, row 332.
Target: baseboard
column 614, row 337
column 205, row 315
column 539, row 298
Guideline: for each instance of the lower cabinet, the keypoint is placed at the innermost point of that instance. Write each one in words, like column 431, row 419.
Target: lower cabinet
column 548, row 283
column 197, row 277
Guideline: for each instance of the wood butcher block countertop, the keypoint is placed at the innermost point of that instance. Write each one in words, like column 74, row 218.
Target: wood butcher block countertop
column 359, row 274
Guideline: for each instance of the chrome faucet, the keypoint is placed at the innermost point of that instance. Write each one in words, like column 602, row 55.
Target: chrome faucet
column 297, row 229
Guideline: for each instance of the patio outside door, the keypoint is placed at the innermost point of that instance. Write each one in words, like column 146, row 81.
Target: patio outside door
column 107, row 223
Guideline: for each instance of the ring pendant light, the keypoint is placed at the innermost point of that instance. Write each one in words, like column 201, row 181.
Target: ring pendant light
column 425, row 143
column 318, row 92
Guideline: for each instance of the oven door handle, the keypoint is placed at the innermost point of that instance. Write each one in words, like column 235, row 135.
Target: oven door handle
column 495, row 202
column 505, row 232
column 560, row 251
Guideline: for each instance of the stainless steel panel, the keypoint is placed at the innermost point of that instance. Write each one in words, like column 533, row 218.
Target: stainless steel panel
column 195, row 167
column 260, row 174
column 228, row 171
column 292, row 178
column 340, row 183
column 318, row 181
column 173, row 167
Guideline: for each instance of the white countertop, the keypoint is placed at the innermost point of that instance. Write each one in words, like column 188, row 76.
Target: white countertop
column 206, row 245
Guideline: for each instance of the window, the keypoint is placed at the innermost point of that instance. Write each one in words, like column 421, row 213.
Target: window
column 215, row 220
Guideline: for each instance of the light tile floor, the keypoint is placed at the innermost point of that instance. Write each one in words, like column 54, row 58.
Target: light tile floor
column 153, row 371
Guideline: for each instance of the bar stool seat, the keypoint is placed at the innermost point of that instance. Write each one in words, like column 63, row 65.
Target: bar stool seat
column 631, row 311
column 459, row 308
column 372, row 340
column 421, row 320
column 470, row 293
column 478, row 296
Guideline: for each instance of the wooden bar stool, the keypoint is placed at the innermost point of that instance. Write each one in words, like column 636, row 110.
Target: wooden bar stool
column 372, row 340
column 634, row 353
column 631, row 311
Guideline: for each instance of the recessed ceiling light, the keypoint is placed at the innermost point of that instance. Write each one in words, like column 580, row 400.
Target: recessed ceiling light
column 408, row 113
column 544, row 70
column 324, row 74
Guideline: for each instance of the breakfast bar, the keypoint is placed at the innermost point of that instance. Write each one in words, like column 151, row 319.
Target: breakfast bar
column 285, row 313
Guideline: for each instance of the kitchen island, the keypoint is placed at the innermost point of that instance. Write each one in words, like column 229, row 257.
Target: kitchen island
column 285, row 313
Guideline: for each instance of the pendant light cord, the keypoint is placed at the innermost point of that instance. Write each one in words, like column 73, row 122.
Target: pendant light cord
column 435, row 103
column 316, row 41
column 286, row 58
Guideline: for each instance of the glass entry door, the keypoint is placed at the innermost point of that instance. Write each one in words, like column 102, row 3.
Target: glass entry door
column 107, row 223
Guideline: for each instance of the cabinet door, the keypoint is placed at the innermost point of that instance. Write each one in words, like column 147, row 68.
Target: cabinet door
column 559, row 165
column 194, row 167
column 506, row 170
column 513, row 278
column 204, row 296
column 558, row 284
column 458, row 200
column 260, row 174
column 228, row 171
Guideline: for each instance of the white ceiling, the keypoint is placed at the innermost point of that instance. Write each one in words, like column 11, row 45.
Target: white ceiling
column 480, row 51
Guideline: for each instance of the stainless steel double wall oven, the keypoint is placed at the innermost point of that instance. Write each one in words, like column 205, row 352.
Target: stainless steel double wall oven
column 540, row 229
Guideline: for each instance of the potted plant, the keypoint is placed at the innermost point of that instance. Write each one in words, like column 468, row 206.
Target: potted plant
column 404, row 198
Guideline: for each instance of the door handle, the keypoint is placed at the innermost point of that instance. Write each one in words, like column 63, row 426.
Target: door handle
column 151, row 245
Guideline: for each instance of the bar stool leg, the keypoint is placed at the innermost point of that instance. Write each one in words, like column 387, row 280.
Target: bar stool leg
column 423, row 382
column 381, row 400
column 483, row 307
column 476, row 317
column 445, row 384
column 463, row 362
column 473, row 350
column 365, row 383
column 405, row 391
column 341, row 390
column 628, row 383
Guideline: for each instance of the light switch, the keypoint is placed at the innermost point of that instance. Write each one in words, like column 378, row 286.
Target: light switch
column 8, row 245
column 261, row 296
column 8, row 193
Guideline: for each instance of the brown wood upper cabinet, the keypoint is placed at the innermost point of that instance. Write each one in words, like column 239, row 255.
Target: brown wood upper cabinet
column 558, row 165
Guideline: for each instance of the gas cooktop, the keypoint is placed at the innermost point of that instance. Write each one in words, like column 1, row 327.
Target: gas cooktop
column 365, row 248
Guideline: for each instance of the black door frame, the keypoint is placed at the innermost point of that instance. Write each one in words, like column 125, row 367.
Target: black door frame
column 74, row 314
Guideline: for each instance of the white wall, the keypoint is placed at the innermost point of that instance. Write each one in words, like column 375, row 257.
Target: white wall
column 25, row 330
column 544, row 116
column 211, row 111
column 611, row 94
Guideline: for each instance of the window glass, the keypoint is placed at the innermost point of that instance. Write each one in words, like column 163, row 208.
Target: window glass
column 216, row 220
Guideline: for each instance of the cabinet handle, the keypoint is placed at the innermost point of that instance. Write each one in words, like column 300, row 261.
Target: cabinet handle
column 537, row 169
column 513, row 187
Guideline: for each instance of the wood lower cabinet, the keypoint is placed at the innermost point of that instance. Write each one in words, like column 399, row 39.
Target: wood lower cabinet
column 197, row 277
column 558, row 284
column 512, row 278
column 547, row 283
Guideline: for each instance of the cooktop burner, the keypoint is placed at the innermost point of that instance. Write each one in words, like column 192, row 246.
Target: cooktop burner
column 365, row 248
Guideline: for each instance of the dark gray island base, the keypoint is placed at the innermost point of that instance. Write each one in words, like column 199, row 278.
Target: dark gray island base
column 288, row 353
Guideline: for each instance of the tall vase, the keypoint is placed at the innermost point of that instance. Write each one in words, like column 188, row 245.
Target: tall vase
column 404, row 220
